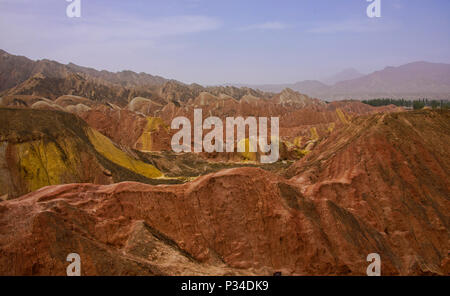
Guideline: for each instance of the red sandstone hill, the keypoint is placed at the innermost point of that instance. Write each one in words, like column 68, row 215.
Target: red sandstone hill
column 377, row 185
column 144, row 123
column 303, row 120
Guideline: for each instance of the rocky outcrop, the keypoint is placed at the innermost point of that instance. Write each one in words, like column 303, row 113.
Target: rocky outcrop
column 42, row 147
column 390, row 170
column 130, row 129
column 122, row 126
column 144, row 106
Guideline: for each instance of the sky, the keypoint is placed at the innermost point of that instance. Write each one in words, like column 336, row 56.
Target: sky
column 229, row 41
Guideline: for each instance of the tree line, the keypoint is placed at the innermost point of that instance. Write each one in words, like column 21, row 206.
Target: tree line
column 415, row 104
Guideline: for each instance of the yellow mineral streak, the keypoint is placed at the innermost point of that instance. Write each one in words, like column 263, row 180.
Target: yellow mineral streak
column 314, row 134
column 107, row 148
column 303, row 152
column 342, row 116
column 41, row 163
column 298, row 141
column 247, row 155
column 145, row 141
column 331, row 127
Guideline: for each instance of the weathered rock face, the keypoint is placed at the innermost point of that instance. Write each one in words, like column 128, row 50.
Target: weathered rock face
column 130, row 129
column 41, row 147
column 374, row 188
column 68, row 103
column 144, row 106
column 22, row 76
column 173, row 91
column 265, row 227
column 122, row 126
column 303, row 120
column 390, row 170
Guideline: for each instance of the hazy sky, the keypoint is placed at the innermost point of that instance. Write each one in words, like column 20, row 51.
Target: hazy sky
column 222, row 41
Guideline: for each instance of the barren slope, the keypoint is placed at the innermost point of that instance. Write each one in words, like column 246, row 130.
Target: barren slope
column 379, row 184
column 42, row 147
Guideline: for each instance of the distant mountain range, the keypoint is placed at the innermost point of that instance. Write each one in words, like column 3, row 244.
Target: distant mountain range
column 347, row 74
column 22, row 76
column 410, row 81
column 15, row 70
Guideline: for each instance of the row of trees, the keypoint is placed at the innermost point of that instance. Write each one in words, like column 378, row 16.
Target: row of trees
column 415, row 104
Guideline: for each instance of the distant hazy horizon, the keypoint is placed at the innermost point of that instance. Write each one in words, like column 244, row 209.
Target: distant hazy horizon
column 222, row 42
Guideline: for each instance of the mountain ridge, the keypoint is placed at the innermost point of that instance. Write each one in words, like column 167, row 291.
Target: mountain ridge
column 413, row 80
column 22, row 76
column 56, row 69
column 346, row 74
